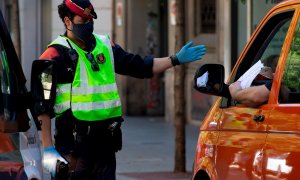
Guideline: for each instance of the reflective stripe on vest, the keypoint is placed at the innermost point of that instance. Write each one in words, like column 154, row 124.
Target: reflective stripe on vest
column 94, row 94
column 62, row 101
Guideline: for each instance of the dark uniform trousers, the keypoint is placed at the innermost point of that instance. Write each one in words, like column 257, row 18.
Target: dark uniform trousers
column 89, row 147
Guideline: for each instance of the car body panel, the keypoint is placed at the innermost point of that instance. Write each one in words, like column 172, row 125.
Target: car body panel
column 12, row 170
column 241, row 139
column 282, row 148
column 11, row 162
column 7, row 144
column 206, row 152
column 213, row 118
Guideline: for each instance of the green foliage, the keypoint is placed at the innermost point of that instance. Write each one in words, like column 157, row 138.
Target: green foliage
column 292, row 68
column 291, row 74
column 295, row 46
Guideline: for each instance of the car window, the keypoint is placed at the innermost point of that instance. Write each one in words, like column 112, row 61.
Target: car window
column 4, row 71
column 7, row 84
column 266, row 47
column 4, row 75
column 290, row 86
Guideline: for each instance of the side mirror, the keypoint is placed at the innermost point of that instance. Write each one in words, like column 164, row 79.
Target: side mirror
column 209, row 79
column 43, row 84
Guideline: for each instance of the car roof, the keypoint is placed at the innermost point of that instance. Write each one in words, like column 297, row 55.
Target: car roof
column 286, row 3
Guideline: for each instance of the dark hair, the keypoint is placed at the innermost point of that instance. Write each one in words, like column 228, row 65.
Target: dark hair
column 272, row 61
column 64, row 11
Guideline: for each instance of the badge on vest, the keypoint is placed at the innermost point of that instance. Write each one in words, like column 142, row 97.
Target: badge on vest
column 101, row 58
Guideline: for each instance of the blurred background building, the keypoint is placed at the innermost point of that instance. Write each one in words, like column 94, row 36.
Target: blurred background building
column 147, row 27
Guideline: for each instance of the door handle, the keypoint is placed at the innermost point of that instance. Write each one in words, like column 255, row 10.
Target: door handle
column 259, row 118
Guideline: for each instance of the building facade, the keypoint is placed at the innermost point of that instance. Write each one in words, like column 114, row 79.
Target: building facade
column 224, row 26
column 40, row 24
column 148, row 27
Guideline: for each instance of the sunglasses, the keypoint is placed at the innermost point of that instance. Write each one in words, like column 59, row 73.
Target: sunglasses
column 94, row 64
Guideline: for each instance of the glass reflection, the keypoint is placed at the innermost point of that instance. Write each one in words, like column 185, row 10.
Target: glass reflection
column 46, row 79
column 5, row 82
column 278, row 165
column 4, row 71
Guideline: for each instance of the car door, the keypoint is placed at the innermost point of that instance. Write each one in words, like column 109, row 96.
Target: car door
column 243, row 129
column 13, row 111
column 282, row 149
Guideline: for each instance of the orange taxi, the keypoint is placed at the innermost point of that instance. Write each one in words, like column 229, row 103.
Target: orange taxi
column 239, row 142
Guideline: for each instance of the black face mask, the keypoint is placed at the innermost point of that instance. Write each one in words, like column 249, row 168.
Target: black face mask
column 83, row 31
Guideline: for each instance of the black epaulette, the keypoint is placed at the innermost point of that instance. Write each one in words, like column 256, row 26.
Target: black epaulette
column 66, row 63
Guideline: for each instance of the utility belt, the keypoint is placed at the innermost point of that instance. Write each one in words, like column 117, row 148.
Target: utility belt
column 88, row 128
column 71, row 133
column 104, row 137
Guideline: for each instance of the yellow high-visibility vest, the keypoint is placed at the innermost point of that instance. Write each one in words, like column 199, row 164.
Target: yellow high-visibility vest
column 93, row 95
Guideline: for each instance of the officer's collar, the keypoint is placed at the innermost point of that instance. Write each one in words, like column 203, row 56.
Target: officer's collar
column 91, row 44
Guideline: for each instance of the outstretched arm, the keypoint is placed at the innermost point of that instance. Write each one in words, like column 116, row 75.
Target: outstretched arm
column 136, row 66
column 161, row 64
column 185, row 55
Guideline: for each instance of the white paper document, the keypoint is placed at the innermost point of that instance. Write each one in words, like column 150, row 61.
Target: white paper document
column 247, row 78
column 202, row 80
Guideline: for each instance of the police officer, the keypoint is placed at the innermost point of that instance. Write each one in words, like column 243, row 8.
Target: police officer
column 87, row 104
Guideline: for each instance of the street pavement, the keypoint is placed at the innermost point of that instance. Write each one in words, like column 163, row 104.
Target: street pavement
column 149, row 148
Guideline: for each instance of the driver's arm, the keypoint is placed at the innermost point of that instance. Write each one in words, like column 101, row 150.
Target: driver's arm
column 253, row 96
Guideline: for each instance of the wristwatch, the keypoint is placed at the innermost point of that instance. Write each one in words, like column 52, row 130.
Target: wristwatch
column 174, row 60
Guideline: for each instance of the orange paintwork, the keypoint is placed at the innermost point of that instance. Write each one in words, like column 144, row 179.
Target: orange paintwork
column 10, row 166
column 232, row 145
column 6, row 143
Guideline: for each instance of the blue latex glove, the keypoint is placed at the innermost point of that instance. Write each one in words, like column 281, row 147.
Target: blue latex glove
column 189, row 54
column 50, row 158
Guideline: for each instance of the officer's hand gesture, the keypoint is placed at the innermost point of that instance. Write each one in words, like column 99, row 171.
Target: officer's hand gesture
column 190, row 54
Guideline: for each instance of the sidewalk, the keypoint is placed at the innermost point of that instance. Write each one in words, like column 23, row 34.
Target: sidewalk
column 148, row 150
